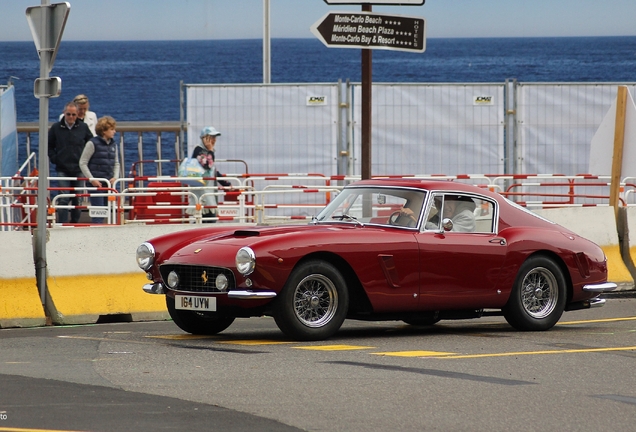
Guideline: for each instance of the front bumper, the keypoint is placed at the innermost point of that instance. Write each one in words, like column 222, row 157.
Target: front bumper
column 158, row 288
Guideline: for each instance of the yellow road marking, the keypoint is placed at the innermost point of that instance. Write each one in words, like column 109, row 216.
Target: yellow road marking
column 33, row 430
column 520, row 353
column 414, row 354
column 597, row 321
column 334, row 347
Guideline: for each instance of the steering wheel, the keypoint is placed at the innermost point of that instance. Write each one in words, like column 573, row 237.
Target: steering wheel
column 395, row 217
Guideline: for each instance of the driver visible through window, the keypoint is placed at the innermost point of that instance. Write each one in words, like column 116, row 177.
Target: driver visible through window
column 375, row 206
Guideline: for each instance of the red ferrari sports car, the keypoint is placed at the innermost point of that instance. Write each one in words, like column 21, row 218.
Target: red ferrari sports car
column 419, row 251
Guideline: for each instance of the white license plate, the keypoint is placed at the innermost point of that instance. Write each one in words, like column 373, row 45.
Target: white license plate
column 195, row 303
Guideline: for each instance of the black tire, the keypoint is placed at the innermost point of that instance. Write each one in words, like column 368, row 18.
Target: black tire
column 313, row 303
column 200, row 323
column 538, row 296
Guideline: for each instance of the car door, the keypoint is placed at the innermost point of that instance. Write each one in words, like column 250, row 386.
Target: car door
column 460, row 269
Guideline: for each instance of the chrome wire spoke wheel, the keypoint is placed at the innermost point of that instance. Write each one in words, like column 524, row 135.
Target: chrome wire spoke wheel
column 315, row 300
column 540, row 293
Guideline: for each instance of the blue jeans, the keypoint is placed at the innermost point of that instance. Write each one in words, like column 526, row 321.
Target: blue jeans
column 62, row 213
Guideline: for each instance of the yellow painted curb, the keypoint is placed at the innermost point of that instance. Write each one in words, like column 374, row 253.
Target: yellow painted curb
column 617, row 271
column 20, row 304
column 84, row 299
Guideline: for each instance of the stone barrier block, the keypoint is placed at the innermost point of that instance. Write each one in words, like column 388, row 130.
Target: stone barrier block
column 20, row 304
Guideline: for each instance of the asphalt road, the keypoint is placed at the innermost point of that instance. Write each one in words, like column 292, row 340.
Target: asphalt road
column 470, row 375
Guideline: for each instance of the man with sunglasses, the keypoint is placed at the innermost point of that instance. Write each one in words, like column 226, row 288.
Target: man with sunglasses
column 84, row 113
column 67, row 139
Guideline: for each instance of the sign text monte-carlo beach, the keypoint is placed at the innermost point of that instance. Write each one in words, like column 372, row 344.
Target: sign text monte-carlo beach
column 369, row 30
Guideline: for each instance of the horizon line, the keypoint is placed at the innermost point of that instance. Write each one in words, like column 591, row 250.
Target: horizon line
column 313, row 38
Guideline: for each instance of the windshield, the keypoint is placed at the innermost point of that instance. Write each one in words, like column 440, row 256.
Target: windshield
column 381, row 206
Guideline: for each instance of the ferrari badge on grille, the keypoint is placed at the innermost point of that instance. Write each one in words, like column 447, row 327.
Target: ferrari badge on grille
column 204, row 277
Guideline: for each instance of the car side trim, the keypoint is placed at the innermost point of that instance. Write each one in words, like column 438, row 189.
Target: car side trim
column 600, row 287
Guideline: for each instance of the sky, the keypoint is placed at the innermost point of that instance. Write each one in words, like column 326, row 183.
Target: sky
column 243, row 19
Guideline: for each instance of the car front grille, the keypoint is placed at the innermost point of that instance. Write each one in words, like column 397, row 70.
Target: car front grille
column 197, row 278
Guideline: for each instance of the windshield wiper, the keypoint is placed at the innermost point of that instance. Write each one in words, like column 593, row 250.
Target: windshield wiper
column 348, row 217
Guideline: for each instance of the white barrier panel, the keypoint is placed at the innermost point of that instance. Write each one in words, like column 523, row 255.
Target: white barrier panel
column 597, row 224
column 20, row 304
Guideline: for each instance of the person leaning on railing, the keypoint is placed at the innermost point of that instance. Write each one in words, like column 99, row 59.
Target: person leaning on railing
column 99, row 160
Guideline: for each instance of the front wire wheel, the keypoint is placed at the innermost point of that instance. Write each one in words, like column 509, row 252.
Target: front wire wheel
column 314, row 302
column 538, row 297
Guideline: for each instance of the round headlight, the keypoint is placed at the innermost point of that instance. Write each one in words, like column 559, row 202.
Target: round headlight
column 221, row 282
column 245, row 261
column 173, row 279
column 145, row 255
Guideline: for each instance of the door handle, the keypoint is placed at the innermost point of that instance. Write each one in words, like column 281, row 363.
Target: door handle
column 501, row 241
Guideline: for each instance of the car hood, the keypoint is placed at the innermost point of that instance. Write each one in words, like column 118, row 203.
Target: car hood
column 226, row 243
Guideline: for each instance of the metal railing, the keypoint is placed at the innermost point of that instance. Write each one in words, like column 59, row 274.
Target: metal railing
column 141, row 132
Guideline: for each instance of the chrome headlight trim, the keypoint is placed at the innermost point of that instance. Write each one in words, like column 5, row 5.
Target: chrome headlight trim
column 245, row 260
column 145, row 256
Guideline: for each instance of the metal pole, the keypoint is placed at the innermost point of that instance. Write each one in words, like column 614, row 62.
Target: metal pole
column 43, row 167
column 267, row 74
column 366, row 107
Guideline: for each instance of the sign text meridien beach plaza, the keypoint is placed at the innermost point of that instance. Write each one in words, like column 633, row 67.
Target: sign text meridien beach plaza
column 369, row 30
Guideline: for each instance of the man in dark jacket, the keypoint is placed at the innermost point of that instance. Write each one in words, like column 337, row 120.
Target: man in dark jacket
column 66, row 143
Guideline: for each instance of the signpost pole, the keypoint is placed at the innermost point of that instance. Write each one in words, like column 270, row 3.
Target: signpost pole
column 47, row 25
column 367, row 82
column 43, row 160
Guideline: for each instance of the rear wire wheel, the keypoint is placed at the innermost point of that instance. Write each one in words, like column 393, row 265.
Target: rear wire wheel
column 538, row 297
column 201, row 323
column 314, row 302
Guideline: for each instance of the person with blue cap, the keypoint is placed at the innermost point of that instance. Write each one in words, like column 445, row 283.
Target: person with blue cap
column 204, row 153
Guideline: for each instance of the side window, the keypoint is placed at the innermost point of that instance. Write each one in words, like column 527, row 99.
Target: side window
column 468, row 213
column 484, row 215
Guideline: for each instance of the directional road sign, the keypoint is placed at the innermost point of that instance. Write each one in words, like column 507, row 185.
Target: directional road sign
column 370, row 30
column 47, row 25
column 378, row 2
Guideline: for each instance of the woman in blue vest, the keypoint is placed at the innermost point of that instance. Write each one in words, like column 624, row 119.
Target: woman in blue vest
column 99, row 161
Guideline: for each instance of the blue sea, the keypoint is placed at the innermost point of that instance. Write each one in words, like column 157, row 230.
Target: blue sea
column 139, row 80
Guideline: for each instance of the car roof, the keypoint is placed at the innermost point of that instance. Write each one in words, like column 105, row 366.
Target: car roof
column 426, row 184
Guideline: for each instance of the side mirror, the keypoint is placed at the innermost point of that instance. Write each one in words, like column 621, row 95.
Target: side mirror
column 447, row 224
